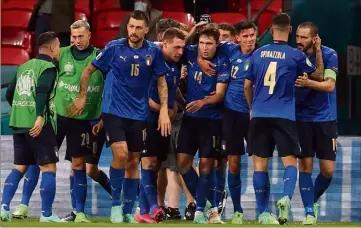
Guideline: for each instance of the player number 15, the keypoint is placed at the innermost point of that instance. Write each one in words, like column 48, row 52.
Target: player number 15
column 134, row 71
column 270, row 77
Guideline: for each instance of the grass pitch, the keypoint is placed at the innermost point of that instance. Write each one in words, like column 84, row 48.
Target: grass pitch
column 104, row 222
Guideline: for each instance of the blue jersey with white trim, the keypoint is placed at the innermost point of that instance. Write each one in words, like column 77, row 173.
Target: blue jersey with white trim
column 273, row 69
column 200, row 85
column 128, row 75
column 234, row 98
column 313, row 105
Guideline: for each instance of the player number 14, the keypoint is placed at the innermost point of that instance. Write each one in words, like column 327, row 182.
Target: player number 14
column 270, row 77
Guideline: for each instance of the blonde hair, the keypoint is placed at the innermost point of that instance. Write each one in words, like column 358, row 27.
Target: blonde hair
column 80, row 23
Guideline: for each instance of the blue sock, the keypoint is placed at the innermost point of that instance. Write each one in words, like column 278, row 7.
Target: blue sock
column 149, row 182
column 72, row 193
column 47, row 192
column 80, row 187
column 321, row 185
column 260, row 180
column 204, row 191
column 234, row 184
column 129, row 194
column 219, row 184
column 191, row 180
column 307, row 192
column 30, row 181
column 104, row 181
column 10, row 186
column 289, row 181
column 116, row 181
column 268, row 192
column 143, row 201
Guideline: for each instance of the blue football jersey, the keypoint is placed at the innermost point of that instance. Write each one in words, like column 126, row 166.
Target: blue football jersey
column 128, row 75
column 234, row 98
column 313, row 105
column 172, row 77
column 200, row 85
column 273, row 69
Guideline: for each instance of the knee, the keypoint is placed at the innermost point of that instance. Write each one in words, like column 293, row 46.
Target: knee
column 120, row 152
column 21, row 168
column 91, row 171
column 78, row 163
column 48, row 168
column 234, row 167
column 184, row 164
column 305, row 165
column 205, row 166
column 132, row 163
column 328, row 173
column 150, row 163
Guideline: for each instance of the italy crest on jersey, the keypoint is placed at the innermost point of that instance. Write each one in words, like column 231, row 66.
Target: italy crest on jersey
column 148, row 60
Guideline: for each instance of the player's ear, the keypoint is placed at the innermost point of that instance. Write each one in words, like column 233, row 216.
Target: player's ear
column 90, row 35
column 314, row 39
column 146, row 30
column 290, row 30
column 272, row 31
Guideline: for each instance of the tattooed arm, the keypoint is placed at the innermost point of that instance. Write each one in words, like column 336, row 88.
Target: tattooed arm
column 164, row 123
column 76, row 108
column 317, row 75
column 163, row 92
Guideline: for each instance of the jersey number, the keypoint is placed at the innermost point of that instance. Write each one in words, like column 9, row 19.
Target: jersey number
column 270, row 77
column 135, row 70
column 234, row 71
column 198, row 77
column 84, row 139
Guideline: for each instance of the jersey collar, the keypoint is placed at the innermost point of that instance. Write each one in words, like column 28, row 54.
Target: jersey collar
column 279, row 42
column 145, row 43
column 44, row 57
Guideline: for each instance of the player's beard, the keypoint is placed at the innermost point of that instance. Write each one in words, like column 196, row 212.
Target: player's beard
column 304, row 47
column 137, row 40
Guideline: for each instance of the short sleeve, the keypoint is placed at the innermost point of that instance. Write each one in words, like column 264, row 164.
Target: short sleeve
column 332, row 62
column 104, row 58
column 250, row 72
column 304, row 65
column 190, row 51
column 224, row 73
column 160, row 67
column 227, row 48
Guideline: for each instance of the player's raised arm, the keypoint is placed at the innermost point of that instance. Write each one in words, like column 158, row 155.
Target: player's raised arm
column 330, row 74
column 317, row 75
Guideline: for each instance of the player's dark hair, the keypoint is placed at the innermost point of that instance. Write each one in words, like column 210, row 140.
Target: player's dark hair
column 227, row 27
column 281, row 21
column 140, row 15
column 210, row 30
column 313, row 28
column 184, row 27
column 45, row 38
column 166, row 23
column 243, row 25
column 172, row 33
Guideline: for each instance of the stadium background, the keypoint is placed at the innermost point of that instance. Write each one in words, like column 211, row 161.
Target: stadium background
column 340, row 28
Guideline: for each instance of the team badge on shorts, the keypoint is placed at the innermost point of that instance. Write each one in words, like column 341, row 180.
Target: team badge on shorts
column 148, row 60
